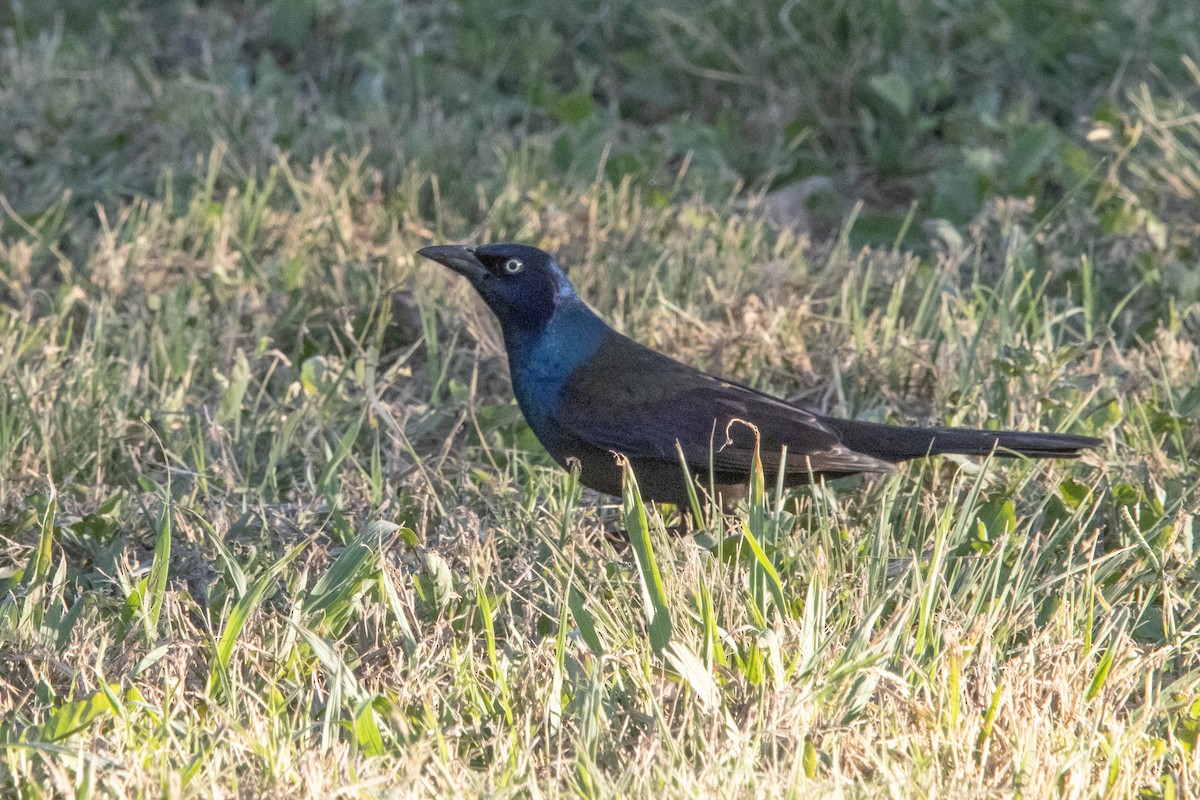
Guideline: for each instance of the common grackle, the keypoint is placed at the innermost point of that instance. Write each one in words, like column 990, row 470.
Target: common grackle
column 589, row 393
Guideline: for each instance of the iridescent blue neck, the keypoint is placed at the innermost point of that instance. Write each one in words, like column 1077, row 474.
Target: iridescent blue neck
column 540, row 360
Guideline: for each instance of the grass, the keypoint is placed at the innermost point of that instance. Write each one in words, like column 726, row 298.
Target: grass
column 271, row 524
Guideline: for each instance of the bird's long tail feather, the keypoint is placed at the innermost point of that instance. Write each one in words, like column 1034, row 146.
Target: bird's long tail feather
column 893, row 443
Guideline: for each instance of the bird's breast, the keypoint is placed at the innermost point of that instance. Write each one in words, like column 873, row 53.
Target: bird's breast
column 540, row 369
column 538, row 381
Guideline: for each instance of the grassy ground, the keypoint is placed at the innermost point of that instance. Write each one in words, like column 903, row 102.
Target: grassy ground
column 271, row 524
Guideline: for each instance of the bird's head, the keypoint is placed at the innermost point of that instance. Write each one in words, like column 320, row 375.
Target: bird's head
column 521, row 284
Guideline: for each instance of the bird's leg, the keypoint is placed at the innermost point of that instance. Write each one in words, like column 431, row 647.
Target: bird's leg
column 618, row 538
column 686, row 525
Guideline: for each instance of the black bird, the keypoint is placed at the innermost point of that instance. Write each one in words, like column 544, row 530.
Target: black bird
column 588, row 393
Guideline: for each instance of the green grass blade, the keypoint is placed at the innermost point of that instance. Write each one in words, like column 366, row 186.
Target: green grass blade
column 366, row 729
column 489, row 635
column 239, row 615
column 336, row 589
column 654, row 594
column 769, row 577
column 156, row 587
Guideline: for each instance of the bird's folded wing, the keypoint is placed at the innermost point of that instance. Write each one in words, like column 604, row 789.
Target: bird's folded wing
column 640, row 403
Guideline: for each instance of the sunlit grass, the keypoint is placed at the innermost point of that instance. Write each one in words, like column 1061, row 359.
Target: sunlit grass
column 367, row 588
column 271, row 523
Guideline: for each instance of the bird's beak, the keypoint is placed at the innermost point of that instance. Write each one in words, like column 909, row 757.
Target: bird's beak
column 457, row 257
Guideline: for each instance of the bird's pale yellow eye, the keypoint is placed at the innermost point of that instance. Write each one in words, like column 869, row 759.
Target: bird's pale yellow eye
column 513, row 266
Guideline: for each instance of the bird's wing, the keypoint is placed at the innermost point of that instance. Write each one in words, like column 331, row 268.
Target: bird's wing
column 632, row 400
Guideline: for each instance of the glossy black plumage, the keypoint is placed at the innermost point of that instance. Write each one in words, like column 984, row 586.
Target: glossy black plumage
column 589, row 392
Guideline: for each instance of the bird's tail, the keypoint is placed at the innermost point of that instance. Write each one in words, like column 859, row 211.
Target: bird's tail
column 895, row 443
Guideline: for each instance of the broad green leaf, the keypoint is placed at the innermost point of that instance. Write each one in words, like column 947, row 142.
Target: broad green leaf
column 1028, row 153
column 366, row 729
column 75, row 715
column 894, row 90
